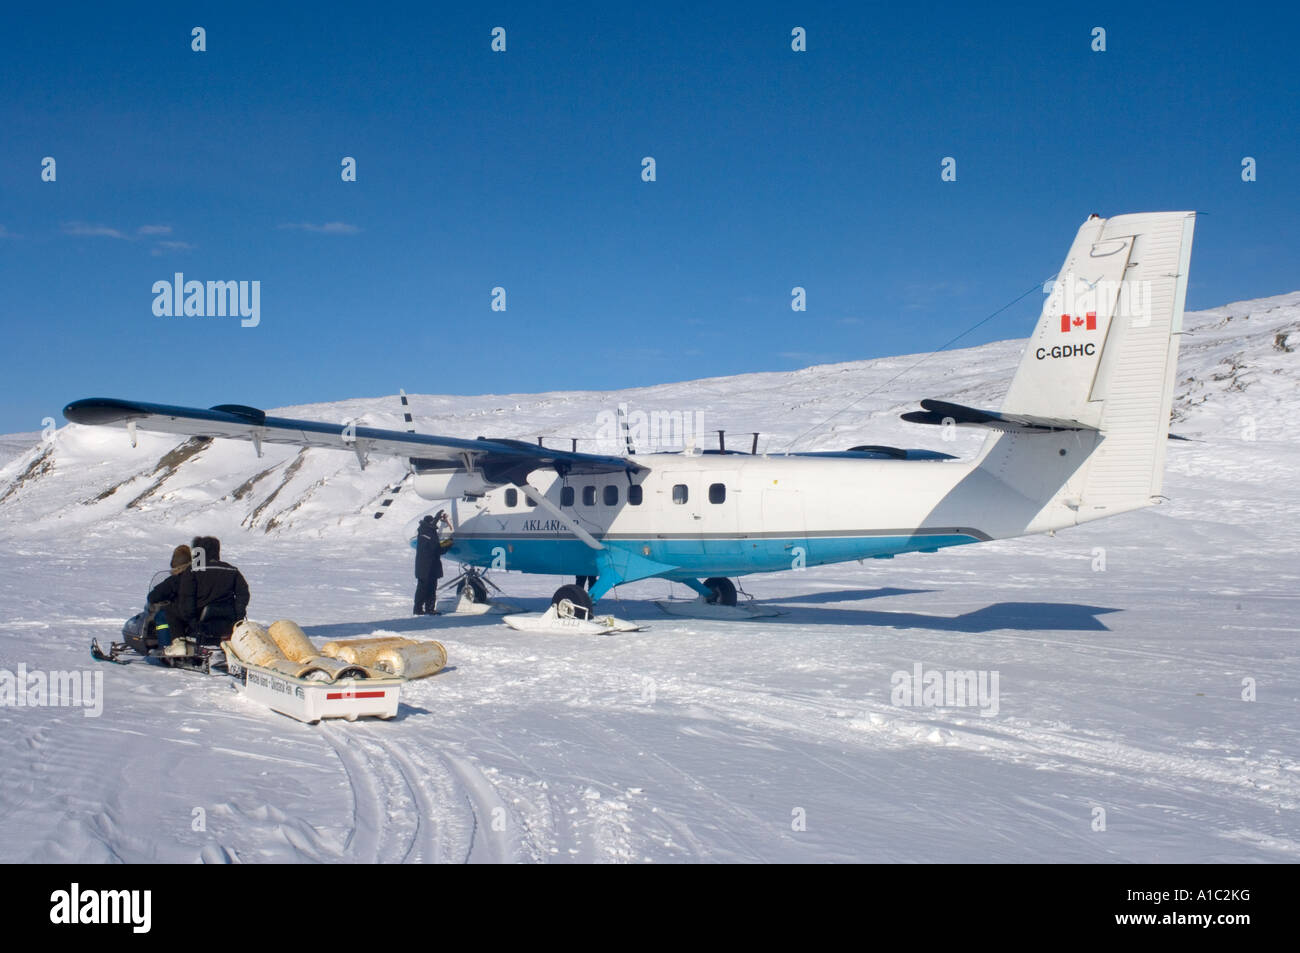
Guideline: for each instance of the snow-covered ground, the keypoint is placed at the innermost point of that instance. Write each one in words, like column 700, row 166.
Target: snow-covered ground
column 1122, row 651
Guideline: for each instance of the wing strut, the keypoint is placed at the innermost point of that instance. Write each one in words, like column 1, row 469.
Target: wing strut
column 532, row 493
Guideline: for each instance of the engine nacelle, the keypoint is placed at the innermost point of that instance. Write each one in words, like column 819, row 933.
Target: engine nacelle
column 449, row 484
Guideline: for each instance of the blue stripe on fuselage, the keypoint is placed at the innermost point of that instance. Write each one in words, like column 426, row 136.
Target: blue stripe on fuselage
column 564, row 555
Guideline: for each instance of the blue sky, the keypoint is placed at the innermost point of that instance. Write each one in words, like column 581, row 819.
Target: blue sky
column 522, row 170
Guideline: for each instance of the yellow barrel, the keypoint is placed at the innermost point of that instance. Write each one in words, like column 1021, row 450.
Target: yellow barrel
column 413, row 660
column 252, row 644
column 291, row 639
column 366, row 651
column 286, row 666
column 318, row 669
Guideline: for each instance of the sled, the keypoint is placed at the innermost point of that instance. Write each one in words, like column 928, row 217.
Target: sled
column 314, row 699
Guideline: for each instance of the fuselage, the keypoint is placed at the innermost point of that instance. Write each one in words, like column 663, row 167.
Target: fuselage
column 709, row 514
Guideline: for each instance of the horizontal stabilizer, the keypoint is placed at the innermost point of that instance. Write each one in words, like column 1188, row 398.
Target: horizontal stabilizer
column 875, row 452
column 939, row 412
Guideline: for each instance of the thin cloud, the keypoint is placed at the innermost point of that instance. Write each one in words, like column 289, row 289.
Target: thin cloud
column 93, row 231
column 90, row 230
column 5, row 233
column 328, row 228
column 163, row 247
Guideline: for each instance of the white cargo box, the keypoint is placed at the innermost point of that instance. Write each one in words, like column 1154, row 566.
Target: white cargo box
column 310, row 701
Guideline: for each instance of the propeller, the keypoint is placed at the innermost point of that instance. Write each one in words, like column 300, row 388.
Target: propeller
column 391, row 493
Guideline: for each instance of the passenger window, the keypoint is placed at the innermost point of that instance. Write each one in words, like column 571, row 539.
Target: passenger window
column 512, row 497
column 680, row 493
column 717, row 492
column 634, row 495
column 566, row 496
column 530, row 501
column 588, row 496
column 611, row 495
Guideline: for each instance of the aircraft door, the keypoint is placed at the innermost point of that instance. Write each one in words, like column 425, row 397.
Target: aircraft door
column 677, row 517
column 715, row 504
column 785, row 541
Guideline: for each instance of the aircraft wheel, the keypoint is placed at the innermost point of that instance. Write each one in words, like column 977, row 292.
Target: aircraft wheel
column 477, row 589
column 722, row 591
column 575, row 594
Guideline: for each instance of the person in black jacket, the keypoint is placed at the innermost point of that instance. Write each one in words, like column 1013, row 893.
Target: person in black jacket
column 169, row 621
column 210, row 597
column 221, row 590
column 428, row 564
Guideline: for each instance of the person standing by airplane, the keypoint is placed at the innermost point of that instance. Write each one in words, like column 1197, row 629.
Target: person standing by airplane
column 428, row 564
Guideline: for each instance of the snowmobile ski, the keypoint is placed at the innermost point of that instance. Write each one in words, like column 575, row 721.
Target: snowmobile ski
column 99, row 655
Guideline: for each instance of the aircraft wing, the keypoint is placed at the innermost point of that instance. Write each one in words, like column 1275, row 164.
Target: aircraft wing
column 499, row 461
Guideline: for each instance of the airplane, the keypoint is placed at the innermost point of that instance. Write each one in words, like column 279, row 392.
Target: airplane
column 1080, row 435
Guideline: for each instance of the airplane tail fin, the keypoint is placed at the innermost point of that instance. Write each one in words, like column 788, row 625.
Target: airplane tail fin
column 1101, row 361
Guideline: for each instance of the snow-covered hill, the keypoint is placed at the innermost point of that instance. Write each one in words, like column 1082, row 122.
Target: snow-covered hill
column 1126, row 652
column 1237, row 380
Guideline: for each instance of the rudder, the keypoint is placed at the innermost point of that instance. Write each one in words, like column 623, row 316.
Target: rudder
column 1103, row 354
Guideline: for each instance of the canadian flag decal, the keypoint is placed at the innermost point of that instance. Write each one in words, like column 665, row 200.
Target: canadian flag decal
column 1086, row 323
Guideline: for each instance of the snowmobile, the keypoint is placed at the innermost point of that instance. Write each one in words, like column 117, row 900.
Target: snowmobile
column 200, row 651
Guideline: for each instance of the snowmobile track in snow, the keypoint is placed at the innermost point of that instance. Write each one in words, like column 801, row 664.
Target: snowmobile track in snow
column 411, row 806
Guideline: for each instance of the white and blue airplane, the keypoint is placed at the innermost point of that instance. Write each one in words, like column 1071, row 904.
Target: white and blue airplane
column 1081, row 435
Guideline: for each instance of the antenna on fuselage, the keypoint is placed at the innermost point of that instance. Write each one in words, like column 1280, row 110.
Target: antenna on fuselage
column 722, row 442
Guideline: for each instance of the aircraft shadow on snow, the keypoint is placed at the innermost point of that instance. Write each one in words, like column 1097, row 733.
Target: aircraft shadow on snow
column 1018, row 616
column 412, row 625
column 841, row 595
column 1023, row 616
